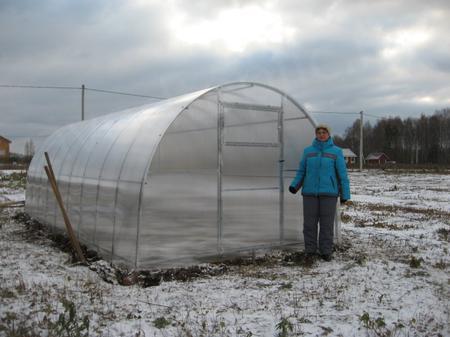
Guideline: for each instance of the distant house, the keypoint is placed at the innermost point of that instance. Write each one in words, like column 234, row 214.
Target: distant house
column 377, row 158
column 349, row 155
column 4, row 149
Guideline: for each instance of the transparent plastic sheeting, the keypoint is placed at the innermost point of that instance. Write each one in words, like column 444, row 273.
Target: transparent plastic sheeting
column 179, row 181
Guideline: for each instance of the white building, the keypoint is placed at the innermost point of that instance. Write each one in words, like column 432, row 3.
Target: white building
column 349, row 155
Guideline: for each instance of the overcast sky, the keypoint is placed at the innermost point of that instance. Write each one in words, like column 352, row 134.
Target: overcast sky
column 388, row 58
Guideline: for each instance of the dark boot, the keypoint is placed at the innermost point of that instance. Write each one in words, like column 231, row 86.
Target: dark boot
column 326, row 257
column 309, row 259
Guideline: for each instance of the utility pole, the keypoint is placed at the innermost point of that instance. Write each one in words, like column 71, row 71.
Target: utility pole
column 82, row 102
column 361, row 155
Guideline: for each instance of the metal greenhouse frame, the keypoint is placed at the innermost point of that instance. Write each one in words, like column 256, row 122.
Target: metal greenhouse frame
column 181, row 180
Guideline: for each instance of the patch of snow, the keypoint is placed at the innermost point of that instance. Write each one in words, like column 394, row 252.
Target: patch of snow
column 11, row 195
column 9, row 172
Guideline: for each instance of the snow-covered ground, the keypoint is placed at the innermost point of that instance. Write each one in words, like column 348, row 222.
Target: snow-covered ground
column 389, row 277
column 12, row 183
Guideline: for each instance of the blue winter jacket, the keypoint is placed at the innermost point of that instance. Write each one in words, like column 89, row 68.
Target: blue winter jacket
column 322, row 171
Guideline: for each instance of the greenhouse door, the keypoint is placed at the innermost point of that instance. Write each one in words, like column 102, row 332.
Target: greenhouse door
column 250, row 160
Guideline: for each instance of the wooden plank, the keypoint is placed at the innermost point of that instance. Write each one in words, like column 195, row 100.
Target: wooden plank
column 70, row 232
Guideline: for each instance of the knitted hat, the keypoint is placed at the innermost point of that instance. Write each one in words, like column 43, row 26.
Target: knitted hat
column 324, row 127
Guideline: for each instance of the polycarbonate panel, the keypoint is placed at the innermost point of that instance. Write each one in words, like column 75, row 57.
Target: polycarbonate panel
column 179, row 218
column 179, row 206
column 154, row 123
column 125, row 222
column 95, row 165
column 32, row 194
column 75, row 175
column 126, row 195
column 108, row 188
column 250, row 212
column 250, row 185
column 63, row 173
column 74, row 203
column 251, row 126
column 90, row 179
column 56, row 153
column 250, row 94
column 105, row 214
column 120, row 146
column 97, row 230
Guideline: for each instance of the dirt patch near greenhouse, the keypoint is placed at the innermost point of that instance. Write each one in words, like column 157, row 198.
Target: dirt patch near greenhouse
column 375, row 222
column 241, row 264
column 34, row 231
column 392, row 209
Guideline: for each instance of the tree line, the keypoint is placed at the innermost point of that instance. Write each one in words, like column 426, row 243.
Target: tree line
column 423, row 140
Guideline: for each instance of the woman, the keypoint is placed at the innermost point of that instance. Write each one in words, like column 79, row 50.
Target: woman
column 323, row 174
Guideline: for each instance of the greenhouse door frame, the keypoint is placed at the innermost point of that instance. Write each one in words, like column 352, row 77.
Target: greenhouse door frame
column 221, row 105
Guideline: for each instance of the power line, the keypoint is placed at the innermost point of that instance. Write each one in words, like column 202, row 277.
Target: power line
column 335, row 112
column 78, row 88
column 374, row 116
column 38, row 87
column 30, row 136
column 346, row 113
column 124, row 93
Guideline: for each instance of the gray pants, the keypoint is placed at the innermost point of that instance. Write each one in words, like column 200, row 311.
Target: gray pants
column 316, row 210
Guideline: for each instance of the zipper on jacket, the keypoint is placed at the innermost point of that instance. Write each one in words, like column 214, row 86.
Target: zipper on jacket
column 320, row 166
column 332, row 182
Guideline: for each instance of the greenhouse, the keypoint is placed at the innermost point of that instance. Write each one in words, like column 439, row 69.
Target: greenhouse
column 179, row 181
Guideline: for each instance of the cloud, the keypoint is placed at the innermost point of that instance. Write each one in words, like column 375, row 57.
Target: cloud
column 384, row 57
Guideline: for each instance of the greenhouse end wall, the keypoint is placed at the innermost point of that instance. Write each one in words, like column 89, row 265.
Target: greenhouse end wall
column 182, row 180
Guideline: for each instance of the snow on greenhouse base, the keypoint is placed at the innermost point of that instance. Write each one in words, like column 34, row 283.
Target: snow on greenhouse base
column 391, row 273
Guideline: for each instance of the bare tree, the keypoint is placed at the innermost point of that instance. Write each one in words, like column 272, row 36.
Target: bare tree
column 29, row 149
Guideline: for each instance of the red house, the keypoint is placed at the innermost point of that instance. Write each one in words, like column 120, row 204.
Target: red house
column 4, row 149
column 377, row 158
